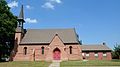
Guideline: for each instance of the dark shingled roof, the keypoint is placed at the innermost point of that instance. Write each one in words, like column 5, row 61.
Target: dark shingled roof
column 36, row 36
column 95, row 47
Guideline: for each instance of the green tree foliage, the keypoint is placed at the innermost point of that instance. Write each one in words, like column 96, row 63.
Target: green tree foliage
column 8, row 24
column 116, row 52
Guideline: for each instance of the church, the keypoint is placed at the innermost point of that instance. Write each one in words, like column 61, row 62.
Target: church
column 53, row 44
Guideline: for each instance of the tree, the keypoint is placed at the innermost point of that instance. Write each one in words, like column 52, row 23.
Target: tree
column 8, row 23
column 116, row 52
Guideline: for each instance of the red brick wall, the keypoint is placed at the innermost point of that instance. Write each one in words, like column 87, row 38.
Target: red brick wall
column 76, row 52
column 91, row 57
column 34, row 52
column 109, row 57
column 100, row 56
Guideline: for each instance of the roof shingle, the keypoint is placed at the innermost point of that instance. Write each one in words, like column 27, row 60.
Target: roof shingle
column 95, row 47
column 33, row 36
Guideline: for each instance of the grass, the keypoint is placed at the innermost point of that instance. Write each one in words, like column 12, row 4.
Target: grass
column 62, row 64
column 90, row 63
column 25, row 64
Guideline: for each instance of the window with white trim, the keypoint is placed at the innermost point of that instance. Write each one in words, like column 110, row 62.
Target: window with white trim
column 87, row 55
column 83, row 54
column 104, row 54
column 96, row 54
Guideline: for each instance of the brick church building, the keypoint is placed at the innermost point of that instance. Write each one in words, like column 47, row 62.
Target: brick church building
column 53, row 44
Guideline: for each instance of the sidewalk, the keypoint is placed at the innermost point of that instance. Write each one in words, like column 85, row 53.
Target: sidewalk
column 55, row 63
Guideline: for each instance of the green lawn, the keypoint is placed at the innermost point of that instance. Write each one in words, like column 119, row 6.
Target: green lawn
column 24, row 64
column 62, row 64
column 90, row 63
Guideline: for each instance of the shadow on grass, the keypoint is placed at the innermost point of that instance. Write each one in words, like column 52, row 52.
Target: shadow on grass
column 116, row 60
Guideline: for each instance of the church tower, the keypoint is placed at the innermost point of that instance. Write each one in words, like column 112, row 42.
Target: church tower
column 20, row 30
column 19, row 33
column 21, row 18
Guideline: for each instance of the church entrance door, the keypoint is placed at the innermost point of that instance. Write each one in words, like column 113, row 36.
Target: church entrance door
column 56, row 54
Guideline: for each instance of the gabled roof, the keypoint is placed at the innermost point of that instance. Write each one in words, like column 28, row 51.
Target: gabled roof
column 37, row 36
column 95, row 47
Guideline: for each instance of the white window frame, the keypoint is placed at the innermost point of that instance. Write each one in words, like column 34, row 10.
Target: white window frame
column 96, row 54
column 83, row 54
column 104, row 54
column 87, row 55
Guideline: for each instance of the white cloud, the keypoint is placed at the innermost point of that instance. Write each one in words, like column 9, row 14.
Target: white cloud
column 29, row 20
column 50, row 4
column 28, row 7
column 13, row 4
column 55, row 1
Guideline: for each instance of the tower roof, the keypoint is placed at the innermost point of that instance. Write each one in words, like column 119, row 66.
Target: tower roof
column 21, row 15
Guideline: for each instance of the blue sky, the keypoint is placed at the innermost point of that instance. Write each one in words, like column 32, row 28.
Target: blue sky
column 95, row 21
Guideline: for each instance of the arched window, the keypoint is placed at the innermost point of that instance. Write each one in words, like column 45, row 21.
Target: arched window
column 70, row 49
column 42, row 50
column 25, row 50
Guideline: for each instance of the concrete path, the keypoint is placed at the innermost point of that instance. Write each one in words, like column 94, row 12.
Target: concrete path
column 55, row 63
